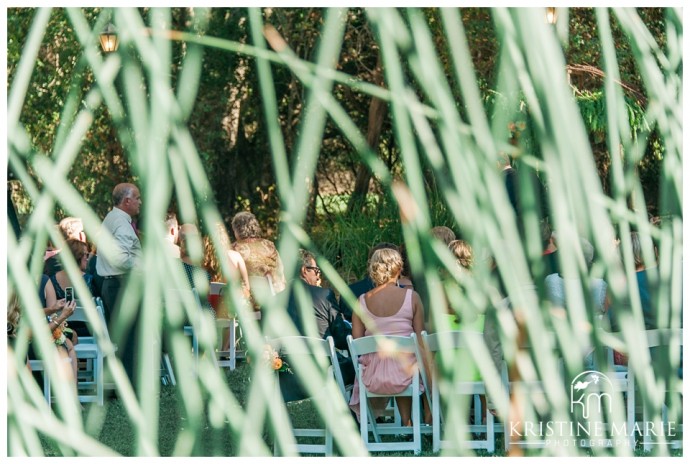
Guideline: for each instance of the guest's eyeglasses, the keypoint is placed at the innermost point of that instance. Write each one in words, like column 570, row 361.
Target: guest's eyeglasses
column 314, row 268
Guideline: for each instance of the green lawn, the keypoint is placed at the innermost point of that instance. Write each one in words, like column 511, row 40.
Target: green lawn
column 118, row 433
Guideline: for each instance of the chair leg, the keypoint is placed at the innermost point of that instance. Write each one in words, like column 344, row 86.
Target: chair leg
column 436, row 418
column 631, row 405
column 477, row 409
column 490, row 432
column 329, row 443
column 364, row 416
column 99, row 380
column 168, row 367
column 46, row 387
column 416, row 419
column 232, row 353
column 372, row 421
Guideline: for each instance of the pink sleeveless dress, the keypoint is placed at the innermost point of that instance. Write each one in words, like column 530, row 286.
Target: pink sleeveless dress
column 387, row 375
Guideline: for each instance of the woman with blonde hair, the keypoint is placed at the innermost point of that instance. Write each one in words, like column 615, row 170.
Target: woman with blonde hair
column 464, row 261
column 463, row 253
column 61, row 310
column 393, row 311
column 234, row 258
column 55, row 288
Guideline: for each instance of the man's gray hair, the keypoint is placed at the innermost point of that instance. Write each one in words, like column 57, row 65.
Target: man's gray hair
column 307, row 258
column 120, row 192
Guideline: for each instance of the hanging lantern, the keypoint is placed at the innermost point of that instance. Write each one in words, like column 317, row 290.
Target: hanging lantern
column 109, row 40
column 551, row 15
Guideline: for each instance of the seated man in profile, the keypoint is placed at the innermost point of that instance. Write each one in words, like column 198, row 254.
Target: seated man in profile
column 172, row 234
column 323, row 299
column 329, row 321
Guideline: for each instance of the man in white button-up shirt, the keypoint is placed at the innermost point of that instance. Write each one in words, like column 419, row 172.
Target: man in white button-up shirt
column 126, row 255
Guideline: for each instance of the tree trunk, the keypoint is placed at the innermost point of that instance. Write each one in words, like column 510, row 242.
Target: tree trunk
column 377, row 113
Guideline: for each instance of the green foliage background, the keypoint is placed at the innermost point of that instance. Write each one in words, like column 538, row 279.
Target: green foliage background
column 229, row 79
column 218, row 110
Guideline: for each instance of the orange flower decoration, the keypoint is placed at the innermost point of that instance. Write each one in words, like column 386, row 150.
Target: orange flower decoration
column 271, row 358
column 277, row 363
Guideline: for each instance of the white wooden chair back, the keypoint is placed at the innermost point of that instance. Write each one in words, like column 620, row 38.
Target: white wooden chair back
column 393, row 345
column 658, row 412
column 216, row 288
column 185, row 297
column 319, row 349
column 456, row 340
column 91, row 350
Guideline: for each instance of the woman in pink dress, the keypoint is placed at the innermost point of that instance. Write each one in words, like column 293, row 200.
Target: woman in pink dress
column 394, row 311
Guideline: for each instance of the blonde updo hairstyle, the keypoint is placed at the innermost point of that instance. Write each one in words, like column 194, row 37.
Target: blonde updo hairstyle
column 384, row 264
column 14, row 314
column 462, row 252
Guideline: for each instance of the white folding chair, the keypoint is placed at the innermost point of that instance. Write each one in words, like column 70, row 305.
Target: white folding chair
column 662, row 340
column 314, row 347
column 368, row 345
column 262, row 291
column 527, row 394
column 225, row 358
column 456, row 340
column 346, row 390
column 216, row 288
column 232, row 325
column 261, row 285
column 622, row 382
column 36, row 365
column 180, row 296
column 89, row 350
column 167, row 374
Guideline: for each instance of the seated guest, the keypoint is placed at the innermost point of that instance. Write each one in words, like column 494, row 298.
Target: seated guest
column 323, row 300
column 555, row 285
column 56, row 325
column 58, row 282
column 97, row 281
column 42, row 289
column 70, row 228
column 260, row 255
column 405, row 280
column 394, row 311
column 362, row 286
column 197, row 276
column 550, row 253
column 328, row 320
column 467, row 317
column 645, row 290
column 172, row 234
column 470, row 319
column 214, row 267
column 237, row 264
column 444, row 234
column 14, row 314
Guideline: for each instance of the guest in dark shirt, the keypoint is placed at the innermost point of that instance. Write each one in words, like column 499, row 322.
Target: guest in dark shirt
column 197, row 276
column 329, row 321
column 70, row 228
